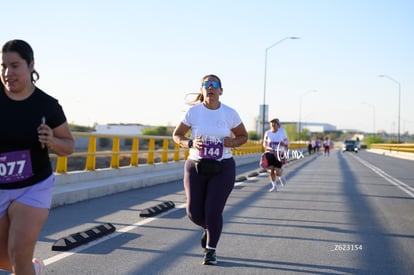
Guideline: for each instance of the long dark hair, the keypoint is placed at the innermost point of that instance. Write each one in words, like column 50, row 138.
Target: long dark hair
column 25, row 51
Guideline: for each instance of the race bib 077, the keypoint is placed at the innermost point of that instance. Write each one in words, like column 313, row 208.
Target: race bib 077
column 15, row 166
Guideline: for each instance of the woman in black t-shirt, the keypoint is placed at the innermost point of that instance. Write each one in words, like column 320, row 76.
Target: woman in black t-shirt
column 32, row 123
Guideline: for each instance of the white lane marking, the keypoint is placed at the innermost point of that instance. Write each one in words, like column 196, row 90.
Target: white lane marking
column 118, row 232
column 403, row 186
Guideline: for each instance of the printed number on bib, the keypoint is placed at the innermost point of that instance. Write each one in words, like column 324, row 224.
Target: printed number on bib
column 15, row 166
column 274, row 145
column 212, row 150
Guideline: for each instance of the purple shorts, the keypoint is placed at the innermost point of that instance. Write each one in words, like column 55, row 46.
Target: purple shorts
column 38, row 195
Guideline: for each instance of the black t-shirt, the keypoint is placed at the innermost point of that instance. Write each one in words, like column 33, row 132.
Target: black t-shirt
column 19, row 121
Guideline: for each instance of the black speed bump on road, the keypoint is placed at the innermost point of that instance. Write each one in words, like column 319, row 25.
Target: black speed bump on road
column 83, row 237
column 155, row 210
column 241, row 178
column 253, row 174
column 261, row 171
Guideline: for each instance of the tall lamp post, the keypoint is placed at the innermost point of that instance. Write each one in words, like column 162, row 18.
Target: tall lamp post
column 373, row 109
column 265, row 78
column 399, row 102
column 300, row 110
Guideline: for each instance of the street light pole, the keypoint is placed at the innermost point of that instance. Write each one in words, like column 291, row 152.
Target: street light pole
column 300, row 110
column 265, row 78
column 399, row 102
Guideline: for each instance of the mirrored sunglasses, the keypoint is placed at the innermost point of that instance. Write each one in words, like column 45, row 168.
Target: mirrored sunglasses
column 215, row 84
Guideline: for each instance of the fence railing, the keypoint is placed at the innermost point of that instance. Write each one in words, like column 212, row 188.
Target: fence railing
column 114, row 151
column 400, row 147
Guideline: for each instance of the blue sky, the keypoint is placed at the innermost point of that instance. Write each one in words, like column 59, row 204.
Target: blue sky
column 134, row 61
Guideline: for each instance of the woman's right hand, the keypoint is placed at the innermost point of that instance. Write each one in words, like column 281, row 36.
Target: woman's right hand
column 198, row 143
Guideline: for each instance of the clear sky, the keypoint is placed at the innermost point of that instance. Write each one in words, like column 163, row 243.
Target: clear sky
column 134, row 61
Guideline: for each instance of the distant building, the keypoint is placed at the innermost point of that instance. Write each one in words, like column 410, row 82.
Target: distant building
column 313, row 127
column 316, row 127
column 120, row 129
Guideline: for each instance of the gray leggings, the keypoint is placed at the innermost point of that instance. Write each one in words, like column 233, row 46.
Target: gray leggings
column 207, row 196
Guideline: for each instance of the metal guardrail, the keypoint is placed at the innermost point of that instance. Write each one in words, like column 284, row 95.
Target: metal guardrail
column 393, row 147
column 136, row 149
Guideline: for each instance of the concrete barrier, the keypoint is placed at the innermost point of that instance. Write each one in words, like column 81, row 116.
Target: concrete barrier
column 78, row 186
column 401, row 155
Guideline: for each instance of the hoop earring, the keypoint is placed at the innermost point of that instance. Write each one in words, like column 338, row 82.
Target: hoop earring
column 34, row 76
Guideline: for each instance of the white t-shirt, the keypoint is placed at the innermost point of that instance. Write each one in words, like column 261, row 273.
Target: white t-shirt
column 272, row 139
column 212, row 126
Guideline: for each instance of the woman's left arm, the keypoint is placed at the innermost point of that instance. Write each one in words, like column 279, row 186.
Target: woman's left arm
column 62, row 142
column 239, row 138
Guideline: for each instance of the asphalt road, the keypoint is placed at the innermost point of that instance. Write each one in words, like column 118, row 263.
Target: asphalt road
column 343, row 214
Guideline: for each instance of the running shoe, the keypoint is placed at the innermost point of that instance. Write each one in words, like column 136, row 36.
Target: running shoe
column 204, row 239
column 38, row 265
column 210, row 257
column 274, row 188
column 281, row 182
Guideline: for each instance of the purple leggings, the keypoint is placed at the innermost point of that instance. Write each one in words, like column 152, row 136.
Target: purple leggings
column 207, row 196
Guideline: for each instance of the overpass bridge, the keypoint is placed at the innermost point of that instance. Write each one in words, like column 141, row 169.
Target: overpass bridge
column 160, row 163
column 343, row 214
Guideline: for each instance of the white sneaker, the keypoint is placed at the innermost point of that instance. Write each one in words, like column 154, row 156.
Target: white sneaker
column 38, row 265
column 274, row 188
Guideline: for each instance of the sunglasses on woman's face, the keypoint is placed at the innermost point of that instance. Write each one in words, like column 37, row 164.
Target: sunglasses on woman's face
column 209, row 83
